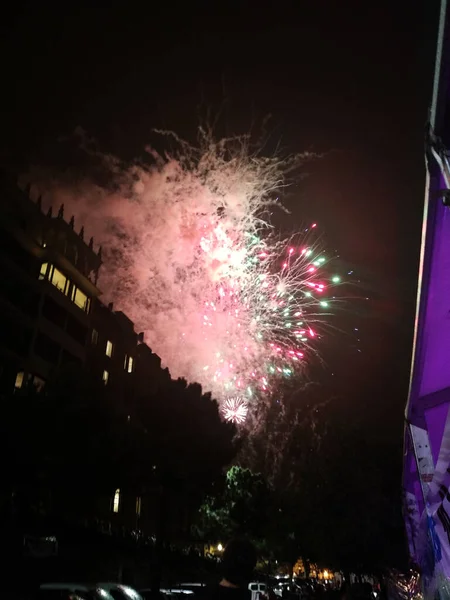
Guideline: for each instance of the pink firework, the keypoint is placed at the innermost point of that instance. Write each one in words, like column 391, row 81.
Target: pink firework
column 235, row 410
column 190, row 256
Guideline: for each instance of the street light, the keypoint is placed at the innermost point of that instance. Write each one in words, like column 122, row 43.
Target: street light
column 219, row 547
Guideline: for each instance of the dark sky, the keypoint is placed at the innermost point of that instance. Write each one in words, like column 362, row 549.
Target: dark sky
column 349, row 78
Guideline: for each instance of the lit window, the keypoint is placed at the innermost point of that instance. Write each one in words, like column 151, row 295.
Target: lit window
column 130, row 364
column 116, row 501
column 138, row 506
column 109, row 348
column 19, row 380
column 94, row 337
column 125, row 362
column 80, row 298
column 105, row 377
column 58, row 279
column 65, row 286
column 43, row 271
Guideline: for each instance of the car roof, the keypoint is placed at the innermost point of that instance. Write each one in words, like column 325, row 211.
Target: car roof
column 65, row 586
column 111, row 585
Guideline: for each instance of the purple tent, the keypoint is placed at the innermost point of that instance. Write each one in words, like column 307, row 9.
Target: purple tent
column 426, row 477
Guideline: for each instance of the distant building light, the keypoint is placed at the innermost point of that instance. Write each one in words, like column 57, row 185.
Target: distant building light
column 138, row 506
column 19, row 380
column 116, row 501
column 109, row 348
column 94, row 337
column 105, row 377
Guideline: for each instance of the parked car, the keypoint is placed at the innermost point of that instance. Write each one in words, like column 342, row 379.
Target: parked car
column 81, row 591
column 169, row 593
column 70, row 591
column 118, row 591
column 197, row 588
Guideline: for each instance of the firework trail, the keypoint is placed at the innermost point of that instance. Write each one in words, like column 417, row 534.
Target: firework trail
column 189, row 255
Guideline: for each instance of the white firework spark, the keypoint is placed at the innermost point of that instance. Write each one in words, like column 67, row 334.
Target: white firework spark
column 235, row 410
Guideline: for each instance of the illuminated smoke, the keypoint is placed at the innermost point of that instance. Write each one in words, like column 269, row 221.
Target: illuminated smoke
column 190, row 257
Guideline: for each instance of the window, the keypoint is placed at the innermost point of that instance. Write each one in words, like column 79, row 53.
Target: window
column 116, row 501
column 94, row 337
column 43, row 271
column 64, row 285
column 80, row 299
column 109, row 348
column 138, row 506
column 105, row 377
column 59, row 280
column 19, row 380
column 128, row 364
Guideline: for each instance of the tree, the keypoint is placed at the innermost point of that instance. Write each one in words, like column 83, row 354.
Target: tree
column 240, row 506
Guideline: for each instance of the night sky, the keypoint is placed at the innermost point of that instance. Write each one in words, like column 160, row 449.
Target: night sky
column 350, row 79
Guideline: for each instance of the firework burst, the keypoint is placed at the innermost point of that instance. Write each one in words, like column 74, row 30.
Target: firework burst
column 191, row 257
column 235, row 410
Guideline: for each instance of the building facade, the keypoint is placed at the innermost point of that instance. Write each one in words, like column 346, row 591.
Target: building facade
column 51, row 316
column 48, row 290
column 51, row 311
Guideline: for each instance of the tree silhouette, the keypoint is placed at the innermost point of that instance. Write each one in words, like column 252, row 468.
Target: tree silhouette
column 240, row 505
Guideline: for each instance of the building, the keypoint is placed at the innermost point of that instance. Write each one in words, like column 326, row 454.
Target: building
column 50, row 308
column 47, row 293
column 426, row 477
column 51, row 315
column 118, row 356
